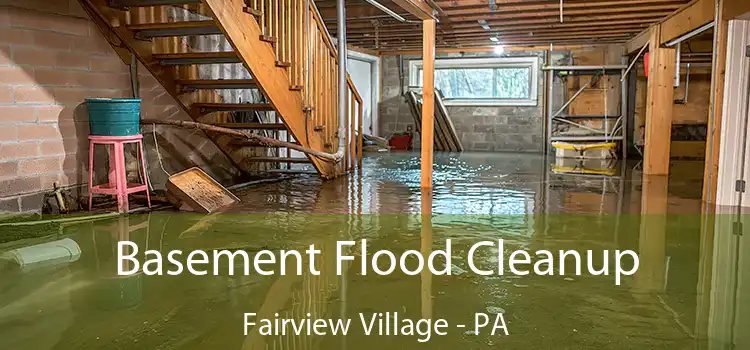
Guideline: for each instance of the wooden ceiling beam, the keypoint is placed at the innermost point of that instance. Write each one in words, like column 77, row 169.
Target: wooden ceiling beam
column 415, row 49
column 367, row 10
column 505, row 41
column 418, row 8
column 641, row 10
column 587, row 29
column 357, row 10
column 649, row 18
column 687, row 18
column 552, row 19
column 484, row 48
column 534, row 27
column 568, row 6
column 503, row 19
column 446, row 4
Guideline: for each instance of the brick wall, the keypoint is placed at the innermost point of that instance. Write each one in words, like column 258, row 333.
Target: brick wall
column 52, row 58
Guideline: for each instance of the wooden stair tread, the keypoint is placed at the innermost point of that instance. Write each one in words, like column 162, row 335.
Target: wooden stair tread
column 255, row 143
column 233, row 106
column 252, row 126
column 176, row 24
column 218, row 83
column 145, row 3
column 293, row 171
column 278, row 160
column 197, row 58
column 167, row 29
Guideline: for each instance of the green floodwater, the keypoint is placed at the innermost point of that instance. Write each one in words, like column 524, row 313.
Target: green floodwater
column 687, row 293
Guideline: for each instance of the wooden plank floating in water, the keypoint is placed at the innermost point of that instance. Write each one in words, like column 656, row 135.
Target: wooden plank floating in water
column 446, row 138
column 195, row 190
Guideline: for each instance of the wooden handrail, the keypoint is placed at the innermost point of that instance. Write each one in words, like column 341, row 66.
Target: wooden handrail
column 329, row 42
column 302, row 44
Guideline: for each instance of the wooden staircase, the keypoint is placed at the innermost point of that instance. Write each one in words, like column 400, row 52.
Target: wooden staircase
column 290, row 65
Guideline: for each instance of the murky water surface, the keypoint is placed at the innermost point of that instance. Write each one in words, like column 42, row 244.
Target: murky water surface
column 687, row 293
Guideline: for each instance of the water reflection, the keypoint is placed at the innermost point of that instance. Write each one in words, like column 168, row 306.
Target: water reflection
column 686, row 294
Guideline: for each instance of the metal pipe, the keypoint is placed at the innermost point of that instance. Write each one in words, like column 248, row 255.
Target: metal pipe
column 390, row 12
column 684, row 100
column 677, row 67
column 343, row 88
column 690, row 34
column 436, row 7
column 687, row 82
column 624, row 75
column 333, row 20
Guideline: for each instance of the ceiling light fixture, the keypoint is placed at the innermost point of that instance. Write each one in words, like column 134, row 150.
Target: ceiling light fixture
column 499, row 49
column 494, row 39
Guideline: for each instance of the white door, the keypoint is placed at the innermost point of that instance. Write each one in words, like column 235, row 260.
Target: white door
column 361, row 73
column 734, row 153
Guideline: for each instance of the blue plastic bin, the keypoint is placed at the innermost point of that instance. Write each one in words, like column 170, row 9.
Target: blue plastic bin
column 114, row 116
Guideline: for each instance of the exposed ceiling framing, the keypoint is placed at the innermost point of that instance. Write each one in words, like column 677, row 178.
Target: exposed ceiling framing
column 512, row 22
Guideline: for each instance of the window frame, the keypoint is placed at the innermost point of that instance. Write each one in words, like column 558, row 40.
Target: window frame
column 532, row 63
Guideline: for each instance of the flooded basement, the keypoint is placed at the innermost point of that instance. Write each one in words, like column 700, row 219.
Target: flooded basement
column 686, row 293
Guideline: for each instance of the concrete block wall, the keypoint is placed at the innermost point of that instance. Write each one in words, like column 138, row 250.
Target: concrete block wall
column 481, row 128
column 51, row 59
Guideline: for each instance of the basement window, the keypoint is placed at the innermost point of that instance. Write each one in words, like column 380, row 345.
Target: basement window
column 498, row 81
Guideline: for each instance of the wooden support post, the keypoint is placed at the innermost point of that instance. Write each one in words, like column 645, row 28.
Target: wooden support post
column 428, row 100
column 716, row 109
column 659, row 105
column 426, row 238
column 652, row 238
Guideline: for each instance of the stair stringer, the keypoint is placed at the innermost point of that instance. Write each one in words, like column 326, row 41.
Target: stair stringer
column 244, row 33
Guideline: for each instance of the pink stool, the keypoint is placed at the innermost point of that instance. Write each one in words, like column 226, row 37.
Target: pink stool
column 117, row 185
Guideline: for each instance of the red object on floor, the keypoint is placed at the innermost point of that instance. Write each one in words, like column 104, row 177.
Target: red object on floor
column 645, row 62
column 118, row 182
column 401, row 141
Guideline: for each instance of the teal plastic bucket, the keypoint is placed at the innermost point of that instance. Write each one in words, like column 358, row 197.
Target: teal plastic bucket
column 114, row 116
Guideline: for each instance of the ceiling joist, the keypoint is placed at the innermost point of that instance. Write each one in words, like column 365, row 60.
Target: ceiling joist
column 508, row 22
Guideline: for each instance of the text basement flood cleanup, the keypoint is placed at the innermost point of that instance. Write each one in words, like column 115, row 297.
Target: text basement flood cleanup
column 382, row 262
